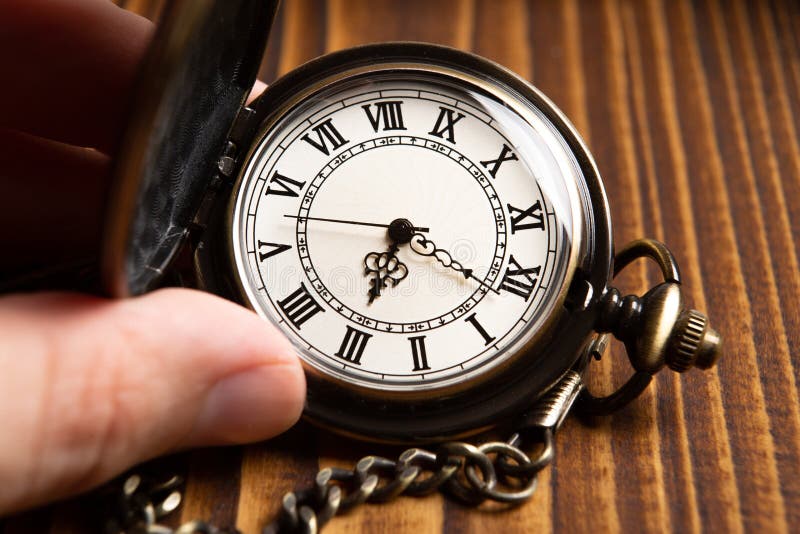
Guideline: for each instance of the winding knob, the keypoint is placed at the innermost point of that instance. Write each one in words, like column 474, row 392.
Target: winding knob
column 693, row 343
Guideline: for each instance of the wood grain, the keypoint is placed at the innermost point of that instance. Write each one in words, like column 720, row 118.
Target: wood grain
column 692, row 110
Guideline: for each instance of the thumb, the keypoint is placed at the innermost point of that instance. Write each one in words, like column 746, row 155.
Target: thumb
column 91, row 386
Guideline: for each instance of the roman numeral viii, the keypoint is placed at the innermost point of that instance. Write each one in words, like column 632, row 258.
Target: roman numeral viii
column 519, row 218
column 519, row 280
column 390, row 112
column 493, row 165
column 299, row 307
column 445, row 124
column 353, row 345
column 326, row 133
column 418, row 353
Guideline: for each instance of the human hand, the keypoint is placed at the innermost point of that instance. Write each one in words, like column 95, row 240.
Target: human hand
column 89, row 386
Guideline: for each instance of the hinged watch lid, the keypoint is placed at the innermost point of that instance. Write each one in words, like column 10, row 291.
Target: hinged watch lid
column 199, row 69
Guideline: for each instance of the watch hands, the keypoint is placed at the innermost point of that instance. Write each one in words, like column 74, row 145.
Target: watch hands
column 425, row 247
column 359, row 223
column 385, row 267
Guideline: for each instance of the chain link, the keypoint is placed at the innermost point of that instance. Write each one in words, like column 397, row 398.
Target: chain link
column 499, row 471
column 496, row 471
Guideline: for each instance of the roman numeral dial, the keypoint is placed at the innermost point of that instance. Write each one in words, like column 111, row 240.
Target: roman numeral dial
column 411, row 185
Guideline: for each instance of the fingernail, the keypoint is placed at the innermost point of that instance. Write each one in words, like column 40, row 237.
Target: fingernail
column 252, row 405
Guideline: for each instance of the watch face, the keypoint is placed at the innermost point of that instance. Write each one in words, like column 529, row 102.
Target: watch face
column 409, row 228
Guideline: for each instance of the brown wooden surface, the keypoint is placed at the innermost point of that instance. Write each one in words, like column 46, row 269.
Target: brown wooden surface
column 692, row 112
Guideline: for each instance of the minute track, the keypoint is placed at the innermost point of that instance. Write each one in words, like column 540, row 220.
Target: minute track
column 318, row 226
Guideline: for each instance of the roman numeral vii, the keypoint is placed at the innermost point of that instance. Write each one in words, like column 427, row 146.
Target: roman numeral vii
column 326, row 133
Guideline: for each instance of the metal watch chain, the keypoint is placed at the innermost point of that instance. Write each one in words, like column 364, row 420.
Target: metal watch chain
column 499, row 471
column 657, row 332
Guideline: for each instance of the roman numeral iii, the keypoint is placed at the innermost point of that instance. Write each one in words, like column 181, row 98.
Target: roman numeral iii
column 519, row 280
column 326, row 133
column 445, row 124
column 418, row 353
column 353, row 345
column 390, row 112
column 527, row 218
column 299, row 307
column 493, row 165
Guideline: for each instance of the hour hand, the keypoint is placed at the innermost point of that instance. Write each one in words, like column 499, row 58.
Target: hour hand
column 384, row 268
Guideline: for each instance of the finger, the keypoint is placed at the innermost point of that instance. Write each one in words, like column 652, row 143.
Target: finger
column 51, row 198
column 69, row 67
column 91, row 386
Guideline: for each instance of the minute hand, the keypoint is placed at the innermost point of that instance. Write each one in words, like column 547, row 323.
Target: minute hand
column 425, row 247
column 359, row 223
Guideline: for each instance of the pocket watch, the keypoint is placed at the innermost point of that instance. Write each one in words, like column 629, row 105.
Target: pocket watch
column 425, row 226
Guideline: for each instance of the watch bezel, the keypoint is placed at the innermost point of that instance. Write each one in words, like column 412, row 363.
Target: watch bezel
column 447, row 412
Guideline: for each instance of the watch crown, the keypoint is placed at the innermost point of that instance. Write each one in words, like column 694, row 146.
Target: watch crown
column 694, row 343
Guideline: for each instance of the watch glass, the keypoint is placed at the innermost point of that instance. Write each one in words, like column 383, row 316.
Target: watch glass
column 408, row 227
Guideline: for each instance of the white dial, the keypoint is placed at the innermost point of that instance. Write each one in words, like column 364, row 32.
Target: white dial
column 405, row 231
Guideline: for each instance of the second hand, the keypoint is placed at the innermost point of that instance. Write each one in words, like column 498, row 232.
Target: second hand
column 359, row 223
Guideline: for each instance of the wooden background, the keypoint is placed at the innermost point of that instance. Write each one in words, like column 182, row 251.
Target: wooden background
column 692, row 112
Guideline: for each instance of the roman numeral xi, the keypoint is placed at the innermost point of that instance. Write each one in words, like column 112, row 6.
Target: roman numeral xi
column 391, row 113
column 528, row 218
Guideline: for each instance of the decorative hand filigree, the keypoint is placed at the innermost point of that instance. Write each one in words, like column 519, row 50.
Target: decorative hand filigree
column 384, row 267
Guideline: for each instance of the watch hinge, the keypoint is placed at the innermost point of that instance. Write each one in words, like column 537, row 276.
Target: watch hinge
column 227, row 161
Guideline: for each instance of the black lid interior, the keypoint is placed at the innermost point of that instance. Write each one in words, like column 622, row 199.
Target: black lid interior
column 196, row 76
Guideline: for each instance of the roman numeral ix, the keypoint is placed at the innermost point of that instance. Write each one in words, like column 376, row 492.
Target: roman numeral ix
column 353, row 345
column 299, row 307
column 326, row 133
column 493, row 165
column 518, row 217
column 390, row 112
column 444, row 124
column 418, row 353
column 519, row 280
